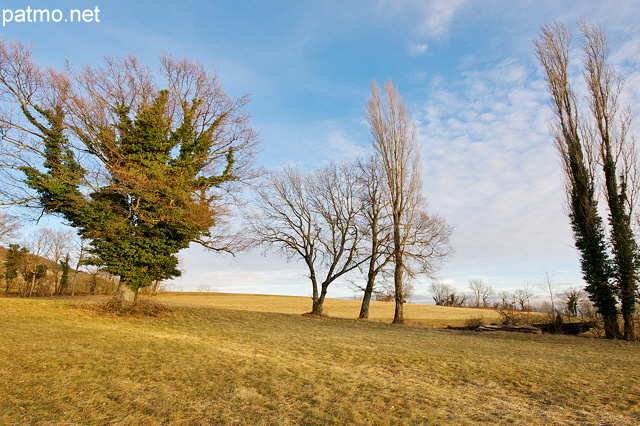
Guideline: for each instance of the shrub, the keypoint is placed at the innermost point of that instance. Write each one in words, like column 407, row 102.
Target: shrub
column 141, row 307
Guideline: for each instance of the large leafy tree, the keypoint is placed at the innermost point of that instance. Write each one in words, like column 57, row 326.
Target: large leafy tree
column 140, row 164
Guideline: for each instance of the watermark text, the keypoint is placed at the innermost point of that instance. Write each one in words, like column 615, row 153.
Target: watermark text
column 29, row 15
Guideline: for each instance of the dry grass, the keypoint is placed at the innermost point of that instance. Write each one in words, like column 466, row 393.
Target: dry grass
column 417, row 315
column 203, row 365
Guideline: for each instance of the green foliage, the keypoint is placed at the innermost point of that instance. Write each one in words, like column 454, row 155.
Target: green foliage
column 64, row 279
column 14, row 258
column 590, row 241
column 146, row 211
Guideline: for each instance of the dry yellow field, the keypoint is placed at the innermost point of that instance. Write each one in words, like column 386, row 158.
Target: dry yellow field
column 64, row 363
column 418, row 315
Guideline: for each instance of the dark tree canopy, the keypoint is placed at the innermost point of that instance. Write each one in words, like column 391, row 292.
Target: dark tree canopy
column 139, row 167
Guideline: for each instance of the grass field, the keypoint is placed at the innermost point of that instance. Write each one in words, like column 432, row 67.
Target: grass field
column 213, row 365
column 416, row 315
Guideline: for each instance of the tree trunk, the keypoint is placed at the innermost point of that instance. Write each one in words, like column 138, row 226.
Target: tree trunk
column 611, row 327
column 125, row 294
column 398, row 317
column 368, row 291
column 33, row 284
column 629, row 327
column 318, row 303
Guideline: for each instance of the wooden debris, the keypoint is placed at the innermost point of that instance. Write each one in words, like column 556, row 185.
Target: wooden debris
column 524, row 328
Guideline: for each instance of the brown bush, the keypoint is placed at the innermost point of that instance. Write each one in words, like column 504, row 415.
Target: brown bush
column 141, row 307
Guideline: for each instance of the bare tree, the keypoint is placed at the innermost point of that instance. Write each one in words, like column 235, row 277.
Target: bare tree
column 505, row 300
column 81, row 252
column 312, row 217
column 548, row 286
column 376, row 225
column 55, row 245
column 9, row 226
column 480, row 291
column 446, row 295
column 440, row 292
column 523, row 295
column 394, row 140
column 385, row 292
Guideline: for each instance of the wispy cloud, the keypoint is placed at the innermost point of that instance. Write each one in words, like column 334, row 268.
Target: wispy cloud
column 427, row 18
column 492, row 170
column 418, row 49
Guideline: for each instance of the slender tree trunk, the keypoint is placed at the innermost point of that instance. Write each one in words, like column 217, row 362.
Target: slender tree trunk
column 398, row 317
column 371, row 274
column 33, row 284
column 73, row 282
column 368, row 292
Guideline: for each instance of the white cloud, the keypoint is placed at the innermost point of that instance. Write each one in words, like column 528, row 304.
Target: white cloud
column 419, row 49
column 342, row 147
column 431, row 18
column 437, row 15
column 492, row 172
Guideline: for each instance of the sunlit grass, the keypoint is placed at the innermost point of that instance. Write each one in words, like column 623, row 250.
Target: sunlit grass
column 203, row 365
column 422, row 315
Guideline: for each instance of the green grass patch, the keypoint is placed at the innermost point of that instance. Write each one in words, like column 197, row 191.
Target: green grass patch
column 203, row 365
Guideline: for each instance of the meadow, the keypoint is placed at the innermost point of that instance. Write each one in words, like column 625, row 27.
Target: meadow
column 237, row 359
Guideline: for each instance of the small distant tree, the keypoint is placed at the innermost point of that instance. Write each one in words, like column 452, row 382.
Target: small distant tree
column 55, row 245
column 81, row 253
column 12, row 263
column 523, row 295
column 572, row 299
column 505, row 300
column 441, row 292
column 64, row 279
column 385, row 292
column 480, row 291
column 548, row 286
column 33, row 272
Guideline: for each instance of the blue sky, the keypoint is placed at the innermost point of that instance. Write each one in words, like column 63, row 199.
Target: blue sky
column 466, row 69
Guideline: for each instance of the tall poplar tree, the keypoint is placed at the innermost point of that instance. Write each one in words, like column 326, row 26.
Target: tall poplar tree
column 394, row 140
column 585, row 146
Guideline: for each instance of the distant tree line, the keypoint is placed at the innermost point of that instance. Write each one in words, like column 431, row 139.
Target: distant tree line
column 570, row 302
column 51, row 262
